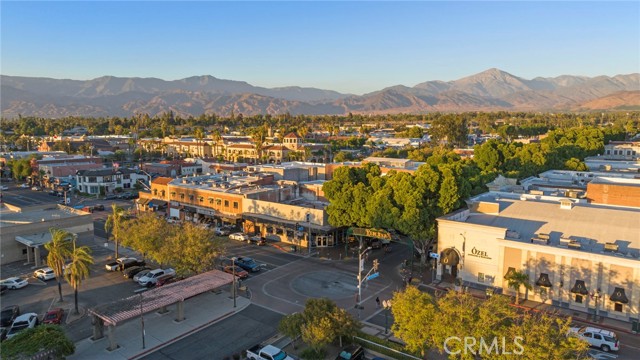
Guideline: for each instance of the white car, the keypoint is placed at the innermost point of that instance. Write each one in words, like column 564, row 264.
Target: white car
column 24, row 186
column 239, row 237
column 22, row 322
column 4, row 187
column 14, row 283
column 604, row 339
column 44, row 274
column 151, row 278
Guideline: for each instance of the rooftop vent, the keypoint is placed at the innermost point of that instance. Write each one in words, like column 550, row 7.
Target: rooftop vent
column 566, row 204
column 611, row 247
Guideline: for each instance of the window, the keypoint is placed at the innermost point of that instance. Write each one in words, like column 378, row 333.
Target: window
column 218, row 202
column 210, row 200
column 182, row 196
column 617, row 307
column 235, row 204
column 107, row 178
column 578, row 299
column 155, row 192
column 480, row 277
column 126, row 176
column 226, row 203
column 92, row 179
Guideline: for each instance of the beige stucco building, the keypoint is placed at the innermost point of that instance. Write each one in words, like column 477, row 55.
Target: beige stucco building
column 577, row 255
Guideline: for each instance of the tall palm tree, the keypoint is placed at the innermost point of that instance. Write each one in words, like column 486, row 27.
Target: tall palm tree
column 199, row 135
column 259, row 137
column 116, row 224
column 78, row 269
column 59, row 249
column 517, row 279
column 215, row 136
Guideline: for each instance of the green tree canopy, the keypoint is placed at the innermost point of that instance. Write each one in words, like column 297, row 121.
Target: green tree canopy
column 35, row 340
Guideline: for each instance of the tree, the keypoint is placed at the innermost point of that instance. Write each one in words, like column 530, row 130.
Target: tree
column 318, row 334
column 192, row 250
column 291, row 326
column 78, row 269
column 32, row 341
column 116, row 224
column 199, row 135
column 259, row 136
column 515, row 280
column 60, row 249
column 148, row 234
column 413, row 311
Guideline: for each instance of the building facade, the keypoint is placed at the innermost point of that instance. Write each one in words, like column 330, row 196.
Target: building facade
column 576, row 255
column 104, row 181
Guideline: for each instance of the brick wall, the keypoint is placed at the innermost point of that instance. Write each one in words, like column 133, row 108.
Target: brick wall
column 614, row 194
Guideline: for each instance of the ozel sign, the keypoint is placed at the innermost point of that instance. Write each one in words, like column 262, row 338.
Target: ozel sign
column 479, row 254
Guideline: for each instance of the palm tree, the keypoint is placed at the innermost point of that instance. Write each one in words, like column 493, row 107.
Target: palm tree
column 115, row 224
column 199, row 135
column 515, row 280
column 78, row 269
column 215, row 136
column 259, row 136
column 59, row 249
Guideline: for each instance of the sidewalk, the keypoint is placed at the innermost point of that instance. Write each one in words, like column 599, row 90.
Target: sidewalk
column 576, row 315
column 161, row 329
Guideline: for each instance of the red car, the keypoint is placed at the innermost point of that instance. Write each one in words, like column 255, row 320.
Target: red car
column 241, row 273
column 54, row 316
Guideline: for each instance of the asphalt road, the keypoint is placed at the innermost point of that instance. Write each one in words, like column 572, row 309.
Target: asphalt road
column 225, row 338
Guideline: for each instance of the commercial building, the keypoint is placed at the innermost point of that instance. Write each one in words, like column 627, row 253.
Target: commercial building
column 108, row 180
column 577, row 254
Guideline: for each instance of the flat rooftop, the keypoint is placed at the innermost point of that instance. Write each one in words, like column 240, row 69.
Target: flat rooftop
column 591, row 225
column 222, row 183
column 12, row 218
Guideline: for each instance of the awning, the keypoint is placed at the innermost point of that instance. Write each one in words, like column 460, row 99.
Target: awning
column 143, row 201
column 158, row 203
column 449, row 257
column 579, row 288
column 543, row 280
column 510, row 272
column 619, row 296
column 266, row 219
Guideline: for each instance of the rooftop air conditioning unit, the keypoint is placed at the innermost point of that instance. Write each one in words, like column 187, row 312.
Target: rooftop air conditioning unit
column 611, row 247
column 565, row 241
column 574, row 244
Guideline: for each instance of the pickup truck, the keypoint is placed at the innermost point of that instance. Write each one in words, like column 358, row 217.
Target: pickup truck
column 268, row 352
column 152, row 277
column 123, row 263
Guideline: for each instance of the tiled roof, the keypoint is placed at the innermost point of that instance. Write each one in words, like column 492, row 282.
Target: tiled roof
column 292, row 136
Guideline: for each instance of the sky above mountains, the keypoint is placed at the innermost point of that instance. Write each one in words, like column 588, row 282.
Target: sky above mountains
column 351, row 47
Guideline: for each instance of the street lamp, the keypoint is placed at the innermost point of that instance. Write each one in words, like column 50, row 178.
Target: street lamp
column 142, row 320
column 387, row 306
column 233, row 270
column 596, row 295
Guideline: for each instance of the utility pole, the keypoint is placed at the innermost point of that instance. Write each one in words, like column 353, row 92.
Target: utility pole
column 309, row 235
column 366, row 277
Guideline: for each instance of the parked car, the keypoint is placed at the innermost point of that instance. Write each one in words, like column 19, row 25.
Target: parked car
column 98, row 207
column 4, row 187
column 151, row 278
column 268, row 352
column 8, row 315
column 14, row 283
column 241, row 273
column 44, row 274
column 239, row 237
column 604, row 339
column 248, row 264
column 123, row 263
column 132, row 271
column 22, row 322
column 36, row 188
column 111, row 197
column 220, row 231
column 165, row 279
column 24, row 186
column 142, row 273
column 258, row 240
column 53, row 193
column 53, row 316
column 351, row 352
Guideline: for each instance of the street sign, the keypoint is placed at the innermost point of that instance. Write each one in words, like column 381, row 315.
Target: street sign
column 373, row 276
column 434, row 255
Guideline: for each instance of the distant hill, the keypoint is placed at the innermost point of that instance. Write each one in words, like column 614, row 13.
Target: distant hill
column 489, row 90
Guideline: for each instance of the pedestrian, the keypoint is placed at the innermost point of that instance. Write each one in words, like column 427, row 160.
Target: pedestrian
column 377, row 301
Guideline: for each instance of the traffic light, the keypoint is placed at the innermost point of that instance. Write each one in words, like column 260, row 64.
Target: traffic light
column 375, row 264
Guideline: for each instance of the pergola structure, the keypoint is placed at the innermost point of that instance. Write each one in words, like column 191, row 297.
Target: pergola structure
column 159, row 298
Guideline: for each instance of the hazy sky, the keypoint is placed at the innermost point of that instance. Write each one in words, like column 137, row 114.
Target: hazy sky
column 354, row 47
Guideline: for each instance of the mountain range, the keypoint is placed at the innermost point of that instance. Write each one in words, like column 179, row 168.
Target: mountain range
column 490, row 90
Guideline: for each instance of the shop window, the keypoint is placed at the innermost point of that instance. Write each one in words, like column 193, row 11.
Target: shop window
column 578, row 299
column 270, row 229
column 279, row 231
column 290, row 233
column 235, row 205
column 481, row 277
column 617, row 307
